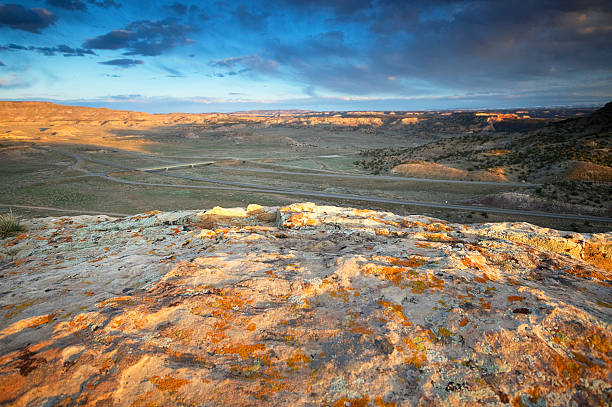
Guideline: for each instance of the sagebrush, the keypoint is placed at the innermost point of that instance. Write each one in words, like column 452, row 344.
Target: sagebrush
column 9, row 225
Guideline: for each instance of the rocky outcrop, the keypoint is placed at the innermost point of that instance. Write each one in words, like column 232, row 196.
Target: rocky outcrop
column 302, row 305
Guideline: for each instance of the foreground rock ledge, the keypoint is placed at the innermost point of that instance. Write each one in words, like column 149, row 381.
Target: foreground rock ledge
column 302, row 305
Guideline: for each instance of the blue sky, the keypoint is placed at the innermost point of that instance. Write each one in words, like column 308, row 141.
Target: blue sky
column 161, row 56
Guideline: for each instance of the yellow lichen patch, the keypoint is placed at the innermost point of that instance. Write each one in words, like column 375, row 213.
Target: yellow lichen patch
column 168, row 383
column 301, row 220
column 425, row 245
column 416, row 347
column 364, row 212
column 382, row 232
column 299, row 207
column 394, row 312
column 438, row 237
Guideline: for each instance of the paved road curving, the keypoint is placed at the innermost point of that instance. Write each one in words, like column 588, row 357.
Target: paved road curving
column 247, row 187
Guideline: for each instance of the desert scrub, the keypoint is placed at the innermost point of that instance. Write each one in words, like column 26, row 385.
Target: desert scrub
column 9, row 225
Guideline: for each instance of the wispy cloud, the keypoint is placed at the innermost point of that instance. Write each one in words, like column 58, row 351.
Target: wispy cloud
column 242, row 64
column 64, row 50
column 123, row 62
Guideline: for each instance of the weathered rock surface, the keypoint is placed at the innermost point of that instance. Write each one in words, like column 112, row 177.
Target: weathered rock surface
column 304, row 306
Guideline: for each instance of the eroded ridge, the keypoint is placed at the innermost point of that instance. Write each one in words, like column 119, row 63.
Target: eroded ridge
column 302, row 305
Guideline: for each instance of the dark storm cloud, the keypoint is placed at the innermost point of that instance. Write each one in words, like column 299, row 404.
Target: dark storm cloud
column 18, row 17
column 67, row 4
column 123, row 62
column 144, row 37
column 65, row 50
column 408, row 47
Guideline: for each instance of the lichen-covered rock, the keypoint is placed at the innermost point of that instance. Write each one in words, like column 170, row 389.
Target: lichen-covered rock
column 303, row 305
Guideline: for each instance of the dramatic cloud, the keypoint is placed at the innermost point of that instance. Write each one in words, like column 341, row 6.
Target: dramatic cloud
column 123, row 62
column 20, row 18
column 65, row 50
column 357, row 51
column 67, row 4
column 471, row 45
column 144, row 37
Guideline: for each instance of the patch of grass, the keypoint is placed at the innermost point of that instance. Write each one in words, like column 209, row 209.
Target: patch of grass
column 9, row 225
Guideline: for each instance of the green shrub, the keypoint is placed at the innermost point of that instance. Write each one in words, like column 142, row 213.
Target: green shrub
column 9, row 225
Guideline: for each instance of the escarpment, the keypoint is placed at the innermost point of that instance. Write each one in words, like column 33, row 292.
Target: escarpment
column 302, row 305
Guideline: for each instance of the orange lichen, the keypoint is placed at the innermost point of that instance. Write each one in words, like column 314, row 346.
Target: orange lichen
column 467, row 262
column 394, row 312
column 243, row 350
column 300, row 220
column 346, row 402
column 438, row 237
column 251, row 327
column 512, row 298
column 397, row 275
column 168, row 383
column 298, row 360
column 464, row 322
column 115, row 301
column 379, row 402
column 413, row 261
column 16, row 240
column 41, row 320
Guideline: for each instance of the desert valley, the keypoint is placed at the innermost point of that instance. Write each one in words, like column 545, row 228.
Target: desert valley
column 161, row 259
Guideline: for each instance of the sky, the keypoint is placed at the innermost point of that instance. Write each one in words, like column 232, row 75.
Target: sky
column 204, row 56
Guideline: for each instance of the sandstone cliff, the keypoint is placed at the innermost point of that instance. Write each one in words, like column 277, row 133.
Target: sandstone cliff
column 302, row 305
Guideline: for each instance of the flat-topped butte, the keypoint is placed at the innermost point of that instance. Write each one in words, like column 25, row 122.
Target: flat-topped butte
column 303, row 305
